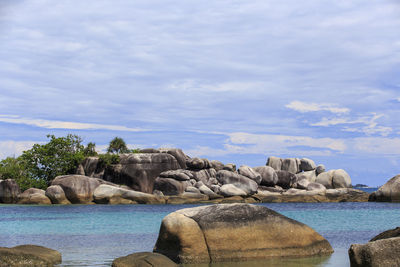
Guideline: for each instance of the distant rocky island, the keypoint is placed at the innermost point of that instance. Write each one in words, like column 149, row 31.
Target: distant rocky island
column 169, row 176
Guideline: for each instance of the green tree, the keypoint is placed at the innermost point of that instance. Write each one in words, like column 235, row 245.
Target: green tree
column 117, row 146
column 60, row 156
column 90, row 150
column 13, row 168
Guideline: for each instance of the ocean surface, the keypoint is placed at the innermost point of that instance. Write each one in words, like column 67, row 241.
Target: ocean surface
column 94, row 235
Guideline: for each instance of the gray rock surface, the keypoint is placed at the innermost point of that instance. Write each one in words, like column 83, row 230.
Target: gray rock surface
column 108, row 194
column 307, row 164
column 320, row 169
column 302, row 183
column 250, row 173
column 286, row 179
column 56, row 194
column 144, row 259
column 291, row 165
column 275, row 163
column 228, row 190
column 217, row 165
column 389, row 192
column 240, row 181
column 170, row 186
column 9, row 191
column 230, row 167
column 34, row 196
column 139, row 170
column 180, row 174
column 325, row 179
column 341, row 179
column 268, row 175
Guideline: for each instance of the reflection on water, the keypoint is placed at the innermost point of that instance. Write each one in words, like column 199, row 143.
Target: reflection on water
column 281, row 262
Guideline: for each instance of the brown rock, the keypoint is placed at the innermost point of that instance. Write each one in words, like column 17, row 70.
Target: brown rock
column 56, row 194
column 144, row 259
column 29, row 256
column 9, row 191
column 235, row 232
column 34, row 196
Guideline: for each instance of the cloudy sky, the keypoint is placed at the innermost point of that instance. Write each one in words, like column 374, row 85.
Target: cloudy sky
column 231, row 80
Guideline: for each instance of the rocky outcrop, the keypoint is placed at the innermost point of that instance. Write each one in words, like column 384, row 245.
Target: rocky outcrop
column 139, row 170
column 198, row 164
column 29, row 255
column 230, row 167
column 204, row 175
column 108, row 194
column 9, row 191
column 286, row 179
column 291, row 165
column 389, row 192
column 34, row 196
column 268, row 175
column 387, row 234
column 56, row 194
column 334, row 179
column 249, row 172
column 229, row 190
column 247, row 185
column 77, row 188
column 144, row 259
column 275, row 163
column 179, row 175
column 217, row 165
column 380, row 253
column 236, row 232
column 307, row 165
column 170, row 186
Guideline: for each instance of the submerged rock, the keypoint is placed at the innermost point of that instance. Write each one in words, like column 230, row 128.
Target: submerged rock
column 29, row 255
column 144, row 259
column 235, row 232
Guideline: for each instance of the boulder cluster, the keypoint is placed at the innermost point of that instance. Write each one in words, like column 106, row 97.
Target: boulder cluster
column 156, row 176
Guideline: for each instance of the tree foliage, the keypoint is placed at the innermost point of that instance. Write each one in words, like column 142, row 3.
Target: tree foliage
column 117, row 146
column 60, row 156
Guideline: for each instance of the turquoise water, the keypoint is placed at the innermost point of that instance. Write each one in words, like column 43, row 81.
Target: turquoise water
column 94, row 235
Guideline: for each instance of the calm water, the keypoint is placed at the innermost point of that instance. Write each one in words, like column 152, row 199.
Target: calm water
column 94, row 235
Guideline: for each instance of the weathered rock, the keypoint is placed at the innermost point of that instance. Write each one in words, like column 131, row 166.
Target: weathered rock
column 107, row 194
column 217, row 165
column 144, row 259
column 230, row 167
column 216, row 189
column 275, row 163
column 240, row 181
column 250, row 173
column 218, row 233
column 341, row 179
column 309, row 175
column 56, row 194
column 307, row 165
column 187, row 198
column 192, row 189
column 268, row 175
column 34, row 196
column 316, row 187
column 320, row 169
column 302, row 183
column 139, row 170
column 77, row 188
column 197, row 164
column 291, row 165
column 389, row 192
column 286, row 179
column 180, row 175
column 276, row 188
column 208, row 192
column 204, row 175
column 92, row 167
column 9, row 191
column 387, row 234
column 178, row 154
column 170, row 186
column 29, row 256
column 229, row 190
column 380, row 253
column 325, row 179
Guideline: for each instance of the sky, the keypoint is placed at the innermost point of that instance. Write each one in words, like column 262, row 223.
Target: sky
column 236, row 81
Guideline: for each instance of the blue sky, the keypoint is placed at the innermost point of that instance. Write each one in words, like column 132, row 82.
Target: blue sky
column 231, row 80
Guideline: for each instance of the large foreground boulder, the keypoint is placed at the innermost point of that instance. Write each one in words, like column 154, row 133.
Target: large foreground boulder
column 389, row 192
column 383, row 250
column 139, row 170
column 29, row 256
column 9, row 191
column 34, row 196
column 77, row 188
column 144, row 259
column 108, row 194
column 235, row 232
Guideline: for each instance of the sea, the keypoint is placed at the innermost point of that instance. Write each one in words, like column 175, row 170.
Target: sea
column 94, row 235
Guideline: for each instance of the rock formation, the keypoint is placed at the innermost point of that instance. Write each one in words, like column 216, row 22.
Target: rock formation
column 29, row 255
column 144, row 259
column 389, row 192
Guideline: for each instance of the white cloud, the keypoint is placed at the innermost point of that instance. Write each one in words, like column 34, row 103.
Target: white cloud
column 12, row 148
column 370, row 124
column 54, row 124
column 304, row 107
